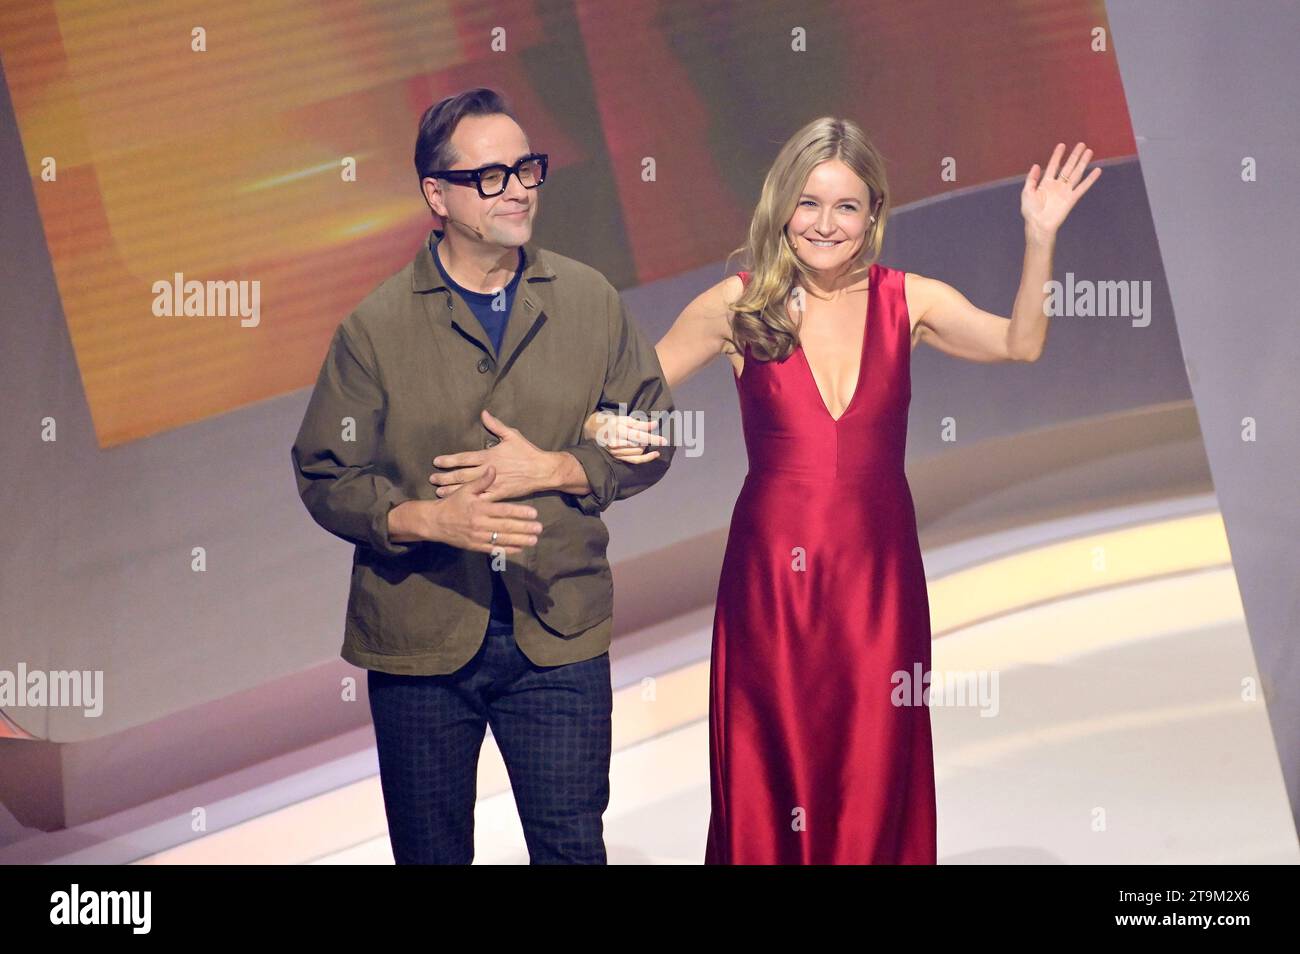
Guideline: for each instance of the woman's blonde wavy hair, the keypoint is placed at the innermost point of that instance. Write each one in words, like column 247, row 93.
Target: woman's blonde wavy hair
column 760, row 319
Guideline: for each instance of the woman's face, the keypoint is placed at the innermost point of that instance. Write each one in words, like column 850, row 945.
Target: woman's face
column 832, row 217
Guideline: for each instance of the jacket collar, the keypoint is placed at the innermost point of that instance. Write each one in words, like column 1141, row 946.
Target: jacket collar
column 532, row 298
column 426, row 277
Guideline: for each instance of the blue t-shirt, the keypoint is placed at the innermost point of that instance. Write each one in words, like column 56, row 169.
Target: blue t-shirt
column 501, row 616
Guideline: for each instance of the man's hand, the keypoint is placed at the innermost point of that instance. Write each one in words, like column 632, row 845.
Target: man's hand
column 521, row 467
column 467, row 520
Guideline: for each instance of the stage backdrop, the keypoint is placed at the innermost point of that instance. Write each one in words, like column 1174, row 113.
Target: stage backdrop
column 271, row 142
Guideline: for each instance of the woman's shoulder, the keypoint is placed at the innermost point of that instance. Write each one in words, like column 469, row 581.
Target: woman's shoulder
column 914, row 290
column 718, row 298
column 886, row 273
column 898, row 279
column 713, row 306
column 733, row 286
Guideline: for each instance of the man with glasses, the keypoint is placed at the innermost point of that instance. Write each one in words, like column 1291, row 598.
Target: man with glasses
column 444, row 439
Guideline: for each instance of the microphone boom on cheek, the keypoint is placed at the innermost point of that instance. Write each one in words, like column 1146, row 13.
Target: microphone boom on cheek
column 464, row 225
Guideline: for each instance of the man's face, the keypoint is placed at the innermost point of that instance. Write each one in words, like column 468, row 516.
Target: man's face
column 502, row 220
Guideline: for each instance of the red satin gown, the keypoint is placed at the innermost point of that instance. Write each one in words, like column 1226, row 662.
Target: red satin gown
column 822, row 625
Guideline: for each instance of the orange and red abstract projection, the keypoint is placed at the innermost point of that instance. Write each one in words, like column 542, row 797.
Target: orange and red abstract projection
column 220, row 184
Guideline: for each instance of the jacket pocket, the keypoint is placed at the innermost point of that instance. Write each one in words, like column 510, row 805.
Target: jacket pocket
column 570, row 585
column 413, row 604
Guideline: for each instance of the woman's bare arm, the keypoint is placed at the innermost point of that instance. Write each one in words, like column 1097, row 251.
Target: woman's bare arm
column 699, row 334
column 697, row 337
column 944, row 319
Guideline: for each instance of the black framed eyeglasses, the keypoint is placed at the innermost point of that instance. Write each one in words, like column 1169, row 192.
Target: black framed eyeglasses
column 492, row 180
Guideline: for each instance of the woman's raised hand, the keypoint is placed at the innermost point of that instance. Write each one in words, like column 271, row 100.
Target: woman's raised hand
column 1046, row 201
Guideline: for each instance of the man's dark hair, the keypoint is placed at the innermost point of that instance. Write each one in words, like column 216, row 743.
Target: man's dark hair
column 433, row 144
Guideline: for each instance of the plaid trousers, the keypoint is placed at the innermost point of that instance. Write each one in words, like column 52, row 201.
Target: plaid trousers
column 552, row 725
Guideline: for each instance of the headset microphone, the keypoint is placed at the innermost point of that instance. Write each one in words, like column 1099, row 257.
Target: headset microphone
column 472, row 228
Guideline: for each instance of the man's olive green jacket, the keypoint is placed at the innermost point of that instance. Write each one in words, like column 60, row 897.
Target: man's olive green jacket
column 404, row 380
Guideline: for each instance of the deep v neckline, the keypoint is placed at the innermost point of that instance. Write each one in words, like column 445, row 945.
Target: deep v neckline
column 862, row 355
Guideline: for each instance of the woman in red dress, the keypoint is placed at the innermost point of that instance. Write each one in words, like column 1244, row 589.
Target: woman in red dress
column 819, row 724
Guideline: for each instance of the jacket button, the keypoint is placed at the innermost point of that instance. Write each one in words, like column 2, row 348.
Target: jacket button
column 483, row 365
